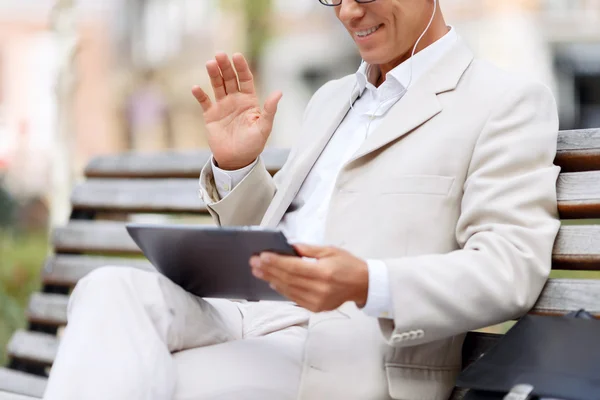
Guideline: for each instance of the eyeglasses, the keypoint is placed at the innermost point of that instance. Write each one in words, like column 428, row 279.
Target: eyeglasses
column 335, row 3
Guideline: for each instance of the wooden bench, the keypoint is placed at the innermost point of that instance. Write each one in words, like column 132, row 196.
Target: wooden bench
column 119, row 188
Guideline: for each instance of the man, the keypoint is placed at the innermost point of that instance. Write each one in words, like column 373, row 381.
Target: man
column 428, row 179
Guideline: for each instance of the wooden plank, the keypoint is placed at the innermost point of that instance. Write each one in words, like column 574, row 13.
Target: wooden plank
column 578, row 150
column 172, row 164
column 13, row 382
column 139, row 195
column 561, row 296
column 49, row 309
column 33, row 347
column 577, row 247
column 67, row 270
column 579, row 194
column 94, row 237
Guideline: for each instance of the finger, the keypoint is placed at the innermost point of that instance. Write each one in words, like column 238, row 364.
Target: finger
column 271, row 106
column 244, row 74
column 298, row 296
column 293, row 266
column 216, row 80
column 202, row 98
column 281, row 278
column 311, row 251
column 229, row 76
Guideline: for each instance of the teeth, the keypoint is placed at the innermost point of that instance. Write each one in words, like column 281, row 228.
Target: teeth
column 367, row 32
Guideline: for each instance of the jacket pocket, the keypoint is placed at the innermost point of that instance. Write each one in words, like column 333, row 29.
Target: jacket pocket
column 423, row 383
column 418, row 184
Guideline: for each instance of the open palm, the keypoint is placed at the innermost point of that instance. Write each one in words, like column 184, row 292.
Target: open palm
column 238, row 128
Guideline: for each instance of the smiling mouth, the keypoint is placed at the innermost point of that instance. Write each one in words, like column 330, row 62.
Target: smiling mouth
column 368, row 32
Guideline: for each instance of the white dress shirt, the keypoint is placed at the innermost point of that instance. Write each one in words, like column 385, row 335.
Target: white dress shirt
column 305, row 221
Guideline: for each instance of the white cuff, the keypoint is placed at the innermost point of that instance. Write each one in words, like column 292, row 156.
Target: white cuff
column 226, row 181
column 379, row 298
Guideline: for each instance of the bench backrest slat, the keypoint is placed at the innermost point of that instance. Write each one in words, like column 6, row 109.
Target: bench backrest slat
column 577, row 246
column 173, row 164
column 579, row 150
column 578, row 195
column 139, row 196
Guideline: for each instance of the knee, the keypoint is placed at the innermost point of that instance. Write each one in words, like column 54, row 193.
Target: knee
column 110, row 283
column 108, row 277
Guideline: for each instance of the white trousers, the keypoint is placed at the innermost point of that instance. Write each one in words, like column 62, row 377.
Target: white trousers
column 135, row 335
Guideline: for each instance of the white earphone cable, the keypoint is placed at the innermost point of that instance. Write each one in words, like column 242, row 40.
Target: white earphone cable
column 411, row 73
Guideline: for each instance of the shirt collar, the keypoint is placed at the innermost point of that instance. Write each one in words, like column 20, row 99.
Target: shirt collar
column 400, row 76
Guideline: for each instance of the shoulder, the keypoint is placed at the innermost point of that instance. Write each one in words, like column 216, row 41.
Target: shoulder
column 484, row 79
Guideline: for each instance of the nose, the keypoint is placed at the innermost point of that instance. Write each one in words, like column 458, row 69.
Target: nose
column 349, row 10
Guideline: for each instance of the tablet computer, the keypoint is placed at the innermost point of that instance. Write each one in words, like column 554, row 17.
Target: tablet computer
column 211, row 261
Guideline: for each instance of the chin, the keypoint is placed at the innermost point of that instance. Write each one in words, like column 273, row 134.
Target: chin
column 373, row 58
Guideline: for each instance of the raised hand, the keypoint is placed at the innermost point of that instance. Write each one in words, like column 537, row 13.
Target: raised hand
column 238, row 128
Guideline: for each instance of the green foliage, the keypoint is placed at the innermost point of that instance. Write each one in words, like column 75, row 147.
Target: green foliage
column 257, row 15
column 21, row 260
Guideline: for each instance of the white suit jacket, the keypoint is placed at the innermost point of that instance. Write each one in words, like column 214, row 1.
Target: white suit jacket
column 455, row 192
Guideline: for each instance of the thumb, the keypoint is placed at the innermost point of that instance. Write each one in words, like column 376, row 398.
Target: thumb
column 305, row 250
column 271, row 105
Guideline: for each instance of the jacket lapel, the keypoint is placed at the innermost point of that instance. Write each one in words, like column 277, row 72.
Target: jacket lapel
column 318, row 132
column 418, row 106
column 420, row 103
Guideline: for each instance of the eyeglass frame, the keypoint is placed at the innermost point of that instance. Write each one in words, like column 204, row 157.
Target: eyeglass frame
column 323, row 2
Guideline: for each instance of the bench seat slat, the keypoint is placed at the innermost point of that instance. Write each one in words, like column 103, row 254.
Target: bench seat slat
column 172, row 164
column 28, row 386
column 559, row 297
column 577, row 247
column 139, row 195
column 66, row 269
column 579, row 150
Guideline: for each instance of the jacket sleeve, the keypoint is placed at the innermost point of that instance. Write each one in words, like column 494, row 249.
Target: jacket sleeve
column 506, row 231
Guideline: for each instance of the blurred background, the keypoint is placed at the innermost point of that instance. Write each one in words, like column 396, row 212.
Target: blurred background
column 89, row 77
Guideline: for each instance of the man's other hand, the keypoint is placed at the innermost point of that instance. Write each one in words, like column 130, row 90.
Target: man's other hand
column 330, row 279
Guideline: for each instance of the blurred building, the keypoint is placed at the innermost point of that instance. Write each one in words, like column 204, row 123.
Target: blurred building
column 28, row 65
column 138, row 60
column 556, row 42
